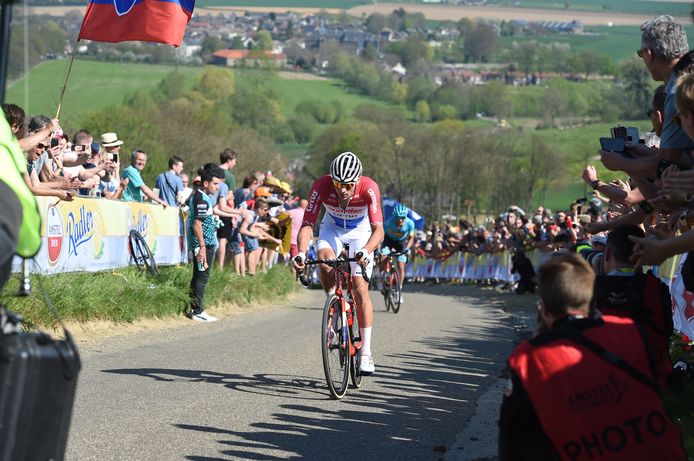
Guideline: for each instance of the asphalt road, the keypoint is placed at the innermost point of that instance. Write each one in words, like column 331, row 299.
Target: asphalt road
column 252, row 386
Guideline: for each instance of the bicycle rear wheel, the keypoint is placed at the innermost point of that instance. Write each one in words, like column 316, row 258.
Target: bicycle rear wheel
column 375, row 275
column 335, row 342
column 395, row 291
column 141, row 253
column 355, row 334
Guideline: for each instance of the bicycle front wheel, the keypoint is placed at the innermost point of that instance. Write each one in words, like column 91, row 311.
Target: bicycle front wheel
column 395, row 291
column 335, row 342
column 385, row 291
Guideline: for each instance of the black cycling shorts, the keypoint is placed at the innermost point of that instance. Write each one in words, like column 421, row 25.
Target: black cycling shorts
column 397, row 246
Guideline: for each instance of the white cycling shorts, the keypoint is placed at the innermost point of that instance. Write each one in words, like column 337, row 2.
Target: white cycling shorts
column 335, row 237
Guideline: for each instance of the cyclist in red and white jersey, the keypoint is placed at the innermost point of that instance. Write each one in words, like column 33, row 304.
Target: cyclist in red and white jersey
column 352, row 216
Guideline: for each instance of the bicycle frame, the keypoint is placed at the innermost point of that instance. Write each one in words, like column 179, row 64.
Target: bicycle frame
column 343, row 284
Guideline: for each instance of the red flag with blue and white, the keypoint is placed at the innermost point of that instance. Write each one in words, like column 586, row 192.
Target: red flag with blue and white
column 162, row 21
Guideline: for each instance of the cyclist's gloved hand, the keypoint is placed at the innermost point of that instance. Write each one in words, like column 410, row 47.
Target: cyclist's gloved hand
column 365, row 256
column 299, row 260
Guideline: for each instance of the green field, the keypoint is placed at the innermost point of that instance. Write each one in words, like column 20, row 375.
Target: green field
column 626, row 6
column 93, row 85
column 617, row 42
column 295, row 91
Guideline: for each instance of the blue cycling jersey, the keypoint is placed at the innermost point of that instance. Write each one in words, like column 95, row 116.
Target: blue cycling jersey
column 398, row 233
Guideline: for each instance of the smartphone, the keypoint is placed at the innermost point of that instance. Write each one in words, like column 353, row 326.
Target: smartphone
column 632, row 134
column 55, row 142
column 115, row 157
column 79, row 148
column 612, row 144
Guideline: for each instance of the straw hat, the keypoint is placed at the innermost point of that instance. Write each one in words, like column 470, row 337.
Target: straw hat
column 285, row 187
column 271, row 181
column 110, row 140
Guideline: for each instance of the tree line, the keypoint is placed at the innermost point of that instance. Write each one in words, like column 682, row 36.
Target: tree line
column 437, row 168
column 604, row 99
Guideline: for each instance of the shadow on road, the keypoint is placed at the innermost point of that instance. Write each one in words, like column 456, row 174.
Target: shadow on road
column 409, row 411
column 301, row 387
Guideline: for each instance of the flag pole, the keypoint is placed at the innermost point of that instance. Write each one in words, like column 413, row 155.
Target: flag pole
column 5, row 19
column 67, row 75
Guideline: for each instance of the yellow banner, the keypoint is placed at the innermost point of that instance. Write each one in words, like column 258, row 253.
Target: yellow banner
column 92, row 233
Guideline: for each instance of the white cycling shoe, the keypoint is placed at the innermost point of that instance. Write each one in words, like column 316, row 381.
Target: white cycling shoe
column 366, row 365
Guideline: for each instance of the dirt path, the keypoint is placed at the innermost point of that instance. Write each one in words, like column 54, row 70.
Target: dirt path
column 300, row 76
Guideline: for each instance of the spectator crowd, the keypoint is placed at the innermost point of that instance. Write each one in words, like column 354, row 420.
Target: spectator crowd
column 248, row 226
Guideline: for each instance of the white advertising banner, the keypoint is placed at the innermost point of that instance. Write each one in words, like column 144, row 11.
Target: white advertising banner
column 90, row 234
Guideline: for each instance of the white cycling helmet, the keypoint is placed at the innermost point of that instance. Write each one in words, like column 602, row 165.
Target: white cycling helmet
column 346, row 168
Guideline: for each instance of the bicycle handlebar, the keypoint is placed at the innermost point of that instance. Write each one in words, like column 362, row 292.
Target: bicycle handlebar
column 334, row 263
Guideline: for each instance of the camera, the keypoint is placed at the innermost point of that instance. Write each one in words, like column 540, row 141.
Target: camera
column 55, row 142
column 619, row 132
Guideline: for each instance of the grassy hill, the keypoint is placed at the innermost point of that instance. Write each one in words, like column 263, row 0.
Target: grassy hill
column 95, row 85
column 326, row 90
column 617, row 42
column 674, row 8
column 625, row 6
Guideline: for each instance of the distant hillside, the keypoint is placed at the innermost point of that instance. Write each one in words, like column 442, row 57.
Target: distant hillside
column 95, row 85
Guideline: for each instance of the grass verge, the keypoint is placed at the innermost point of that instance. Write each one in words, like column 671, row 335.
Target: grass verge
column 128, row 294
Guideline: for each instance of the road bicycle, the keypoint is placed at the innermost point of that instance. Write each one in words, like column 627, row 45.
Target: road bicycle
column 340, row 336
column 390, row 283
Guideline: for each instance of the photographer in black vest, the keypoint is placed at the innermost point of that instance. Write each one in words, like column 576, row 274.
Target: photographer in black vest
column 584, row 389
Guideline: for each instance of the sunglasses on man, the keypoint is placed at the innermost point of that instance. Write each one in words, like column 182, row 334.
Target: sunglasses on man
column 346, row 185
